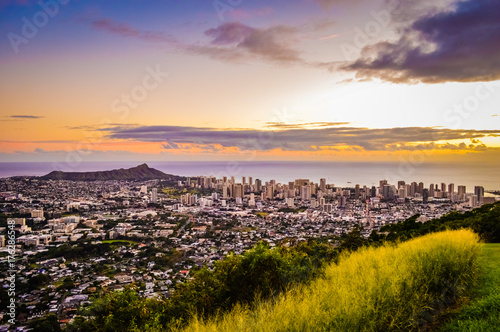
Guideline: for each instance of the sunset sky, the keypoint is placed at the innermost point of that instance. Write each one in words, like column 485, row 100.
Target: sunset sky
column 250, row 80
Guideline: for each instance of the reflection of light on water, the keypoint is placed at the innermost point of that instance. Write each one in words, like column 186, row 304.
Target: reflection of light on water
column 491, row 195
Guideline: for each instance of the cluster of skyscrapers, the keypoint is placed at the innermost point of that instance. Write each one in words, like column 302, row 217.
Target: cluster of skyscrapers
column 306, row 190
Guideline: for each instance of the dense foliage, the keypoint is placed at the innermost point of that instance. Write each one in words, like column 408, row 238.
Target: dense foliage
column 261, row 273
column 485, row 221
column 386, row 288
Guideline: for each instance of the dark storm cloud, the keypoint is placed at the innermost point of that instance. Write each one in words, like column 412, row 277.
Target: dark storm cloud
column 461, row 45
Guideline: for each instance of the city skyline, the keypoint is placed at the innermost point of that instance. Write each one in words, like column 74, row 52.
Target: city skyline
column 240, row 80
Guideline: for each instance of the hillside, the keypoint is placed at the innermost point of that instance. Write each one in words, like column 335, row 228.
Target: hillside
column 485, row 221
column 141, row 172
column 483, row 312
column 374, row 289
column 385, row 288
column 393, row 285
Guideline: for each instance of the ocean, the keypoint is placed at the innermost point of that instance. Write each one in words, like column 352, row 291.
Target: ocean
column 343, row 174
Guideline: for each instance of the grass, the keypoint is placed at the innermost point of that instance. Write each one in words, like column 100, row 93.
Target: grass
column 483, row 312
column 119, row 242
column 176, row 193
column 374, row 289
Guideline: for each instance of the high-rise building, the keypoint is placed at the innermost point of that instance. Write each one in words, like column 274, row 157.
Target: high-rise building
column 401, row 183
column 258, row 185
column 451, row 189
column 356, row 192
column 243, row 180
column 342, row 201
column 479, row 192
column 431, row 190
column 328, row 208
column 365, row 193
column 305, row 192
column 237, row 190
column 314, row 202
column 473, row 201
column 251, row 201
column 250, row 181
column 154, row 195
column 382, row 183
column 443, row 187
column 388, row 191
column 270, row 191
column 313, row 186
column 425, row 196
column 461, row 192
column 420, row 188
column 322, row 184
column 413, row 189
column 301, row 182
column 186, row 199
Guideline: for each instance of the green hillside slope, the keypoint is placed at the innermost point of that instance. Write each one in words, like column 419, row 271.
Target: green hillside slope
column 374, row 289
column 483, row 313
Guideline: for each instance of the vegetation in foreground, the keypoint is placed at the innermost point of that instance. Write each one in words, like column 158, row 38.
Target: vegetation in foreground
column 483, row 313
column 390, row 288
column 485, row 221
column 259, row 274
column 210, row 294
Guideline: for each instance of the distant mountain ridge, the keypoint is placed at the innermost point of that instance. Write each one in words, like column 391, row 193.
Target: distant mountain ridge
column 141, row 172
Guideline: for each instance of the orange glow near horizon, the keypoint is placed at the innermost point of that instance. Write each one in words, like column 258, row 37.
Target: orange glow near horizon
column 282, row 70
column 156, row 150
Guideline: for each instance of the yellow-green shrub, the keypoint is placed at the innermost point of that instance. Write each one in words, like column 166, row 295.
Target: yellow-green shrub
column 374, row 289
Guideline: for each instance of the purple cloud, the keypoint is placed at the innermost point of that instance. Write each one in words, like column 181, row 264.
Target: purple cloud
column 235, row 41
column 459, row 45
column 25, row 117
column 332, row 3
column 125, row 30
column 295, row 138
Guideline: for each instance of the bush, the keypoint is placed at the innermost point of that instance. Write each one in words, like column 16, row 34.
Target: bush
column 260, row 273
column 375, row 289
